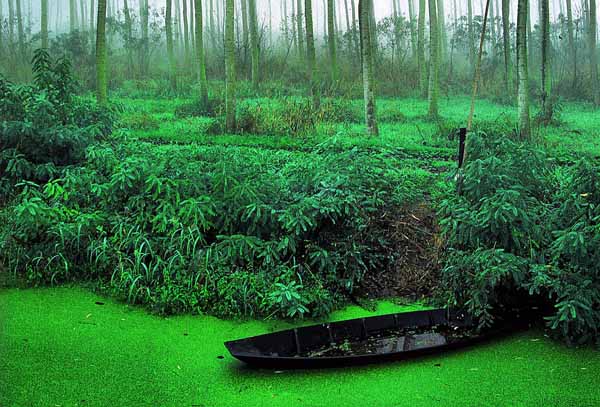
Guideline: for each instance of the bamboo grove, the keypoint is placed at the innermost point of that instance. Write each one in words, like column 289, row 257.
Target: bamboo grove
column 389, row 48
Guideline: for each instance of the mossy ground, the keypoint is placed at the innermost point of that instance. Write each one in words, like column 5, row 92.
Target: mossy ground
column 59, row 348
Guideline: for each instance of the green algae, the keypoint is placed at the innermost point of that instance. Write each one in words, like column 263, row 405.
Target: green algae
column 59, row 348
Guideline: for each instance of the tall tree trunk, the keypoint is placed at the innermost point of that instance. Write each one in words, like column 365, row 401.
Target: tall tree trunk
column 186, row 38
column 530, row 45
column 2, row 29
column 347, row 14
column 365, row 20
column 230, row 79
column 470, row 33
column 128, row 37
column 546, row 63
column 211, row 21
column 421, row 50
column 331, row 40
column 299, row 29
column 434, row 45
column 200, row 56
column 82, row 15
column 170, row 47
column 522, row 70
column 373, row 27
column 177, row 40
column 101, row 69
column 11, row 23
column 92, row 32
column 254, row 43
column 44, row 23
column 20, row 30
column 72, row 16
column 311, row 65
column 355, row 35
column 192, row 32
column 245, row 31
column 571, row 39
column 294, row 33
column 592, row 33
column 493, row 29
column 270, row 23
column 506, row 46
column 286, row 29
column 413, row 31
column 443, row 50
column 144, row 18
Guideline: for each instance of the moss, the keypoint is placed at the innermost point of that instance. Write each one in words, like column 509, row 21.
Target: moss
column 59, row 347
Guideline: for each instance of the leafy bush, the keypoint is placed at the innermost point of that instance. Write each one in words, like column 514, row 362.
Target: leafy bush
column 140, row 121
column 196, row 108
column 44, row 127
column 231, row 231
column 525, row 228
column 290, row 116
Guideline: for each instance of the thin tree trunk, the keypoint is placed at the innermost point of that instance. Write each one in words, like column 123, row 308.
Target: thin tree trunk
column 20, row 30
column 592, row 33
column 92, row 34
column 522, row 70
column 230, row 77
column 310, row 55
column 101, row 69
column 2, row 22
column 270, row 23
column 186, row 38
column 170, row 48
column 72, row 16
column 144, row 19
column 365, row 20
column 331, row 40
column 413, row 31
column 529, row 36
column 128, row 37
column 572, row 48
column 546, row 70
column 245, row 31
column 470, row 33
column 200, row 56
column 434, row 45
column 355, row 34
column 421, row 50
column 82, row 15
column 11, row 23
column 347, row 15
column 506, row 46
column 294, row 32
column 254, row 43
column 299, row 29
column 44, row 23
column 443, row 51
column 477, row 75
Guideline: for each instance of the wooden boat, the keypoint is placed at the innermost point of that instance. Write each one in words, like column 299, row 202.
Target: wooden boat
column 360, row 341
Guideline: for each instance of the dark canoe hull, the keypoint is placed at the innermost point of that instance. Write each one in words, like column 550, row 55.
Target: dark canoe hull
column 289, row 349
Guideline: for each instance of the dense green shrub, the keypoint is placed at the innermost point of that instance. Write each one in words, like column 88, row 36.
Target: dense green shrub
column 231, row 231
column 140, row 121
column 196, row 108
column 44, row 128
column 289, row 116
column 524, row 227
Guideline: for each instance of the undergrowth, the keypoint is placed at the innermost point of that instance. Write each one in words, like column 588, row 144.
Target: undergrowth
column 525, row 227
column 230, row 231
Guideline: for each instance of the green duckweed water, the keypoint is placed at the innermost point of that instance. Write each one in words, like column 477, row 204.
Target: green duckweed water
column 59, row 348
